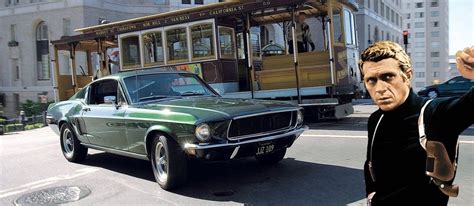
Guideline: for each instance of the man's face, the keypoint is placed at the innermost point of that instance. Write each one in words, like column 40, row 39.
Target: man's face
column 385, row 83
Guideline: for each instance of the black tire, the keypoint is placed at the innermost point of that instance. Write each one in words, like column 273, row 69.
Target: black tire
column 271, row 159
column 72, row 150
column 173, row 172
column 432, row 93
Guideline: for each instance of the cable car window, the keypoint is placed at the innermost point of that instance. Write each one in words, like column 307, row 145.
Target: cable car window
column 153, row 48
column 130, row 51
column 177, row 46
column 226, row 42
column 203, row 41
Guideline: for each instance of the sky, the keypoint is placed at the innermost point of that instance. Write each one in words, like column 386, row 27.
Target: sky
column 461, row 24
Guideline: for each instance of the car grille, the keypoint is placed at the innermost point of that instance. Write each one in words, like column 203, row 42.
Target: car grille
column 262, row 124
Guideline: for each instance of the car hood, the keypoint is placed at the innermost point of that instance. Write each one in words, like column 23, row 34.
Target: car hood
column 216, row 108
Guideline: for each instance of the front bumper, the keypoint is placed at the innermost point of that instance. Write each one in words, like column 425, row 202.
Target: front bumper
column 239, row 149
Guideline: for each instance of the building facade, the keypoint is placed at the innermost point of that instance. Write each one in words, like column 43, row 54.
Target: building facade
column 379, row 20
column 28, row 26
column 427, row 22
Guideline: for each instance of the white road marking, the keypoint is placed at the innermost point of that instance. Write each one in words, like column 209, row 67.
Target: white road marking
column 47, row 181
column 360, row 137
column 337, row 136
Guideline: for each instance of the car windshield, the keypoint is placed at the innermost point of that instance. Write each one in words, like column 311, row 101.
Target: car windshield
column 147, row 87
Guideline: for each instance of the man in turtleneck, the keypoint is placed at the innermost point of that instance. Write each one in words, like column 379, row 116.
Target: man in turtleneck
column 396, row 173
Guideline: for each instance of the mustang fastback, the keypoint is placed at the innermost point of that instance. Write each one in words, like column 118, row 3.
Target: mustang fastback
column 169, row 118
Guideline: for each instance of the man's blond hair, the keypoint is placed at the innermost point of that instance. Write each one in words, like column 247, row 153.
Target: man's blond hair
column 383, row 50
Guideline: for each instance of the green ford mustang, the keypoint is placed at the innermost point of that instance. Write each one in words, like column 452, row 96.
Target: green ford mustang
column 170, row 117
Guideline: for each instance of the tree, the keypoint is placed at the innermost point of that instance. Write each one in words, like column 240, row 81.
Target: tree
column 31, row 108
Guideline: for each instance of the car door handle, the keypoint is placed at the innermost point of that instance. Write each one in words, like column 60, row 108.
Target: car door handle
column 86, row 109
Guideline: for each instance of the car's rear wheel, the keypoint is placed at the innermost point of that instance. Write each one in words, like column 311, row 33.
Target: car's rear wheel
column 273, row 158
column 433, row 93
column 169, row 162
column 72, row 149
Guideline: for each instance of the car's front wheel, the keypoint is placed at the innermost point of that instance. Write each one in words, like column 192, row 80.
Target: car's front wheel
column 169, row 162
column 72, row 149
column 272, row 158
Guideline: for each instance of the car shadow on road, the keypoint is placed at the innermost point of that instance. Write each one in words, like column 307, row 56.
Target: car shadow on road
column 125, row 165
column 291, row 182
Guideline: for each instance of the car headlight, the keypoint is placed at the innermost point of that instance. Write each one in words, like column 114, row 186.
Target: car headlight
column 299, row 117
column 203, row 132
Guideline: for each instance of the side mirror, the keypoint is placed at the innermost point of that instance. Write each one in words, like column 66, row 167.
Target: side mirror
column 110, row 100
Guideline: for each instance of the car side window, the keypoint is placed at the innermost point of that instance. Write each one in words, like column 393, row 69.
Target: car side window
column 102, row 92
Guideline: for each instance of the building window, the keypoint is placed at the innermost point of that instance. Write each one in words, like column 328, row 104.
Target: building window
column 392, row 16
column 419, row 54
column 436, row 24
column 435, row 44
column 177, row 45
column 408, row 25
column 397, row 19
column 203, row 41
column 387, row 12
column 368, row 34
column 419, row 74
column 376, row 6
column 13, row 32
column 419, row 34
column 186, row 1
column 434, row 13
column 419, row 14
column 419, row 84
column 419, row 5
column 16, row 101
column 436, row 74
column 435, row 34
column 66, row 27
column 419, row 65
column 153, row 48
column 16, row 68
column 376, row 34
column 434, row 54
column 42, row 51
column 435, row 65
column 408, row 16
column 198, row 1
column 382, row 9
column 419, row 24
column 419, row 44
column 434, row 3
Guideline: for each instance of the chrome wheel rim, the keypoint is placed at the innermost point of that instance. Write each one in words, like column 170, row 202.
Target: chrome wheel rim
column 161, row 162
column 68, row 142
column 432, row 94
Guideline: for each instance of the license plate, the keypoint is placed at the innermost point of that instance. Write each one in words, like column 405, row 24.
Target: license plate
column 265, row 148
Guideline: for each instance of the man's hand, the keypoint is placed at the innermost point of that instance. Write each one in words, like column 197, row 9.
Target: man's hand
column 465, row 62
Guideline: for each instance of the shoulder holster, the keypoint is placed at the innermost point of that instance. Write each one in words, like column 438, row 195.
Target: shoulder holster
column 438, row 164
